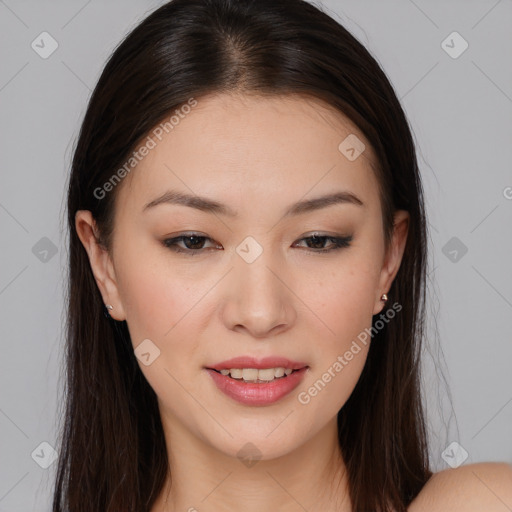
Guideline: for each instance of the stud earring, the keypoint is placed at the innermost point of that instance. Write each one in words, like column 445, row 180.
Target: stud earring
column 384, row 297
column 106, row 310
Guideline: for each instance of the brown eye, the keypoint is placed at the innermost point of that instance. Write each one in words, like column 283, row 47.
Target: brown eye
column 192, row 243
column 317, row 242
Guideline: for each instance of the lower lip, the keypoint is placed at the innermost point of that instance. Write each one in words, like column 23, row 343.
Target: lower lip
column 257, row 394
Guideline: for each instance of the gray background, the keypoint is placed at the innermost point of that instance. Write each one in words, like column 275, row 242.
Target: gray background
column 460, row 110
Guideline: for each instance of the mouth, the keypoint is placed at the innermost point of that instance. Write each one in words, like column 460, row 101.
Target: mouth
column 261, row 386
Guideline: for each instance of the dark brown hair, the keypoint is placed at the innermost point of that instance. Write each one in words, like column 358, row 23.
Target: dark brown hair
column 113, row 456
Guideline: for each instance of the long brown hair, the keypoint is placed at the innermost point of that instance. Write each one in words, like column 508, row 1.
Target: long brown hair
column 112, row 450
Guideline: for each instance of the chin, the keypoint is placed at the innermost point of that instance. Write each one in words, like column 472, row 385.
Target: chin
column 259, row 449
column 262, row 438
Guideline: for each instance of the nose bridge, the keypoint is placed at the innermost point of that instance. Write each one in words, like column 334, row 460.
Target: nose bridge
column 254, row 258
column 257, row 298
column 259, row 278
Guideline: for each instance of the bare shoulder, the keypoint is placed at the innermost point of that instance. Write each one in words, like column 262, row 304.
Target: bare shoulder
column 473, row 487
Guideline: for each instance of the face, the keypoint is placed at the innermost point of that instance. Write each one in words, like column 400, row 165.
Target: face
column 254, row 278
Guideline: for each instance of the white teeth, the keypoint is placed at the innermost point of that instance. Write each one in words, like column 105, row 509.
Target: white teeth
column 279, row 372
column 236, row 373
column 264, row 374
column 249, row 374
column 255, row 375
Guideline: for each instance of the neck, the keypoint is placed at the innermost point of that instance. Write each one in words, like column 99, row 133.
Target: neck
column 312, row 477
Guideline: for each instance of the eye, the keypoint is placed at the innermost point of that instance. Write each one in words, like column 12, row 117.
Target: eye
column 336, row 242
column 194, row 243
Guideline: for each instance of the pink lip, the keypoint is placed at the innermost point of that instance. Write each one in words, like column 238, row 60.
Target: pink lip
column 257, row 394
column 251, row 362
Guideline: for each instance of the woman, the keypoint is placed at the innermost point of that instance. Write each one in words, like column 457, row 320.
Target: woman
column 247, row 277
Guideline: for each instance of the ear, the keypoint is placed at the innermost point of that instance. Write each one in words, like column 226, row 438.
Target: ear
column 101, row 263
column 393, row 256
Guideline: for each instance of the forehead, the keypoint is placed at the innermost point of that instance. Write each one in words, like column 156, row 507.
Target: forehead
column 250, row 148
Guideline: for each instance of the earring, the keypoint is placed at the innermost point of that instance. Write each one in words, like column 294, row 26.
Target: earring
column 106, row 310
column 384, row 297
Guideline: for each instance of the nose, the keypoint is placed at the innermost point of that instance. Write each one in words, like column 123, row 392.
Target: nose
column 258, row 299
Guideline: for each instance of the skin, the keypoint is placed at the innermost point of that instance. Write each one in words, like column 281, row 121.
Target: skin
column 258, row 156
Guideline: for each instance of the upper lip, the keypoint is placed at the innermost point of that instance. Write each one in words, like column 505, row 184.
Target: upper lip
column 252, row 362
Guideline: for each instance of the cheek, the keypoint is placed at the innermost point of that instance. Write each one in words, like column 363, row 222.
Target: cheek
column 161, row 307
column 156, row 299
column 343, row 300
column 147, row 298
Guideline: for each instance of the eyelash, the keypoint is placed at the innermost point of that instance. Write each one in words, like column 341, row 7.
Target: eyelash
column 339, row 243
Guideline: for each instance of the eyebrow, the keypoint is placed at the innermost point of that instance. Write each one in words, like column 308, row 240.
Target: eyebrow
column 211, row 206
